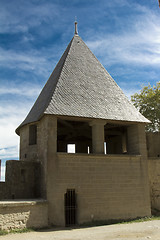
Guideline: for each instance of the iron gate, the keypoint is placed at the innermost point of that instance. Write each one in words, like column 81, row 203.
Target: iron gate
column 70, row 207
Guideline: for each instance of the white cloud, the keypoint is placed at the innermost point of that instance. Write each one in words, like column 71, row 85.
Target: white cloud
column 27, row 90
column 2, row 151
column 139, row 44
column 32, row 60
column 130, row 92
column 20, row 16
column 11, row 115
column 8, row 137
column 10, row 152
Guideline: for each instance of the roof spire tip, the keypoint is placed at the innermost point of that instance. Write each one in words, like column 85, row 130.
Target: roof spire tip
column 76, row 30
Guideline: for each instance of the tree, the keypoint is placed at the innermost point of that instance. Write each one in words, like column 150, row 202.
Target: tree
column 148, row 103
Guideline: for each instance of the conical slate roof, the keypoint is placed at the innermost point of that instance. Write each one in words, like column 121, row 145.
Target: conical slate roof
column 80, row 86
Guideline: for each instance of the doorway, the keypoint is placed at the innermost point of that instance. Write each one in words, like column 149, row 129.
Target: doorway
column 70, row 207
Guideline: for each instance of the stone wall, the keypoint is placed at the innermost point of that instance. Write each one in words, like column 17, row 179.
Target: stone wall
column 3, row 190
column 27, row 152
column 23, row 214
column 153, row 148
column 37, row 152
column 154, row 179
column 107, row 187
column 23, row 180
column 153, row 144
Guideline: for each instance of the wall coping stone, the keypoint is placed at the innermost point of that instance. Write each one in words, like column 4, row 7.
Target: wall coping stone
column 154, row 158
column 17, row 202
column 103, row 156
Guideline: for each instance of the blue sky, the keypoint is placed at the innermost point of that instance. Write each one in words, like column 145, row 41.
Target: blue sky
column 124, row 35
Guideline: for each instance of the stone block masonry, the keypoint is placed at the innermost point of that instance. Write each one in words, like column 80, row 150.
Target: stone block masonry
column 23, row 214
column 107, row 187
column 22, row 180
column 154, row 180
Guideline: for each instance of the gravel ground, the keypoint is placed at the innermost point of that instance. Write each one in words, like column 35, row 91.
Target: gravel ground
column 134, row 231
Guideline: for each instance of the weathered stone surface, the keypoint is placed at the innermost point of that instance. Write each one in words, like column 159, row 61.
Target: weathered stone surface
column 107, row 187
column 154, row 179
column 22, row 214
column 153, row 144
column 22, row 180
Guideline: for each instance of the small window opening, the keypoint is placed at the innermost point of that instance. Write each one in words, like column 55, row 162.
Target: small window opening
column 88, row 150
column 2, row 170
column 32, row 134
column 105, row 148
column 115, row 139
column 71, row 148
column 124, row 143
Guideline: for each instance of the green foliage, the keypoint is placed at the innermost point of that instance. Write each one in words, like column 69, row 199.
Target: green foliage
column 3, row 232
column 24, row 230
column 144, row 219
column 148, row 103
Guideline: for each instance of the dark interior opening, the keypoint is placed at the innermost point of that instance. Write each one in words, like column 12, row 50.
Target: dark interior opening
column 76, row 133
column 78, row 136
column 115, row 139
column 32, row 134
column 70, row 207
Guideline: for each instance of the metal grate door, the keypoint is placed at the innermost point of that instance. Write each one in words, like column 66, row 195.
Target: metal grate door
column 70, row 207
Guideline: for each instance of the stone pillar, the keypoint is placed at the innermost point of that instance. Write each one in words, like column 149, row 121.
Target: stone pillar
column 52, row 166
column 98, row 136
column 132, row 139
column 47, row 148
column 52, row 135
column 142, row 140
column 137, row 139
column 137, row 145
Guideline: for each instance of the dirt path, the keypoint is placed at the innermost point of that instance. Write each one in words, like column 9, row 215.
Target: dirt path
column 133, row 231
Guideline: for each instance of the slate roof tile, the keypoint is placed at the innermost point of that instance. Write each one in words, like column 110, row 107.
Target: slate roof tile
column 80, row 86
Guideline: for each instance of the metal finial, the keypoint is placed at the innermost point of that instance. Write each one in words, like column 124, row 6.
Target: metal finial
column 76, row 31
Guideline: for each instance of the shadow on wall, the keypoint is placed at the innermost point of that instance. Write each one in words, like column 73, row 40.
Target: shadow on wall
column 153, row 144
column 22, row 180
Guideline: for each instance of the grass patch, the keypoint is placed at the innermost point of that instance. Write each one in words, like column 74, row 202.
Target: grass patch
column 3, row 232
column 144, row 219
column 24, row 230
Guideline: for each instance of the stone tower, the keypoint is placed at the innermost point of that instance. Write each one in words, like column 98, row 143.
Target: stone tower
column 106, row 177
